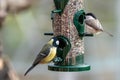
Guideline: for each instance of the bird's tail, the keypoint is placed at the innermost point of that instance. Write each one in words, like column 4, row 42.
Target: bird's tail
column 29, row 70
column 108, row 33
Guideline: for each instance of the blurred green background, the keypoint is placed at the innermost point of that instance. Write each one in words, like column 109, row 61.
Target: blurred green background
column 23, row 38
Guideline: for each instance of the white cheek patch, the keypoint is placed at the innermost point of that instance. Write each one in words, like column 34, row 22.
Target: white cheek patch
column 57, row 42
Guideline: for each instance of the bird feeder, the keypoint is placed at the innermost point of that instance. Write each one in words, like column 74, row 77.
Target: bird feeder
column 68, row 27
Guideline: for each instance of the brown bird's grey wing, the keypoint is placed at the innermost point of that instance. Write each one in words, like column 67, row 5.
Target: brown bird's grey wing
column 43, row 53
column 92, row 23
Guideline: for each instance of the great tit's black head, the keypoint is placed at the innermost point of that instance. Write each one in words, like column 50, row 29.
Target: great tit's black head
column 92, row 15
column 54, row 41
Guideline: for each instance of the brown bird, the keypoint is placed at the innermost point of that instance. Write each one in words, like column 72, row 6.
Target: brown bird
column 93, row 23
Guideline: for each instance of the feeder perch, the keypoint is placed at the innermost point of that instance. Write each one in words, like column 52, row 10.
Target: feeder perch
column 68, row 28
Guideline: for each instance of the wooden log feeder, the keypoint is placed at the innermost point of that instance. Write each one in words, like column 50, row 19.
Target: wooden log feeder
column 68, row 26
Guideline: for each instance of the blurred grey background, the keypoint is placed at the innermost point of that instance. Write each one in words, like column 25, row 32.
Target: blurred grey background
column 23, row 38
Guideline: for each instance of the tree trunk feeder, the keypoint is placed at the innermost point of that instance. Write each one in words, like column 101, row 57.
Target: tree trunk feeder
column 68, row 27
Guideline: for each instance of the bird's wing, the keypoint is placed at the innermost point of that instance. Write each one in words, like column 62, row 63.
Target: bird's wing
column 93, row 23
column 99, row 24
column 43, row 53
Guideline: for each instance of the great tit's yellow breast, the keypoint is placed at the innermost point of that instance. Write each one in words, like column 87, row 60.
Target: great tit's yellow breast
column 50, row 56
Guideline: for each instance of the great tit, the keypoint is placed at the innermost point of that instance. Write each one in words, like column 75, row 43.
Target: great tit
column 47, row 53
column 93, row 23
